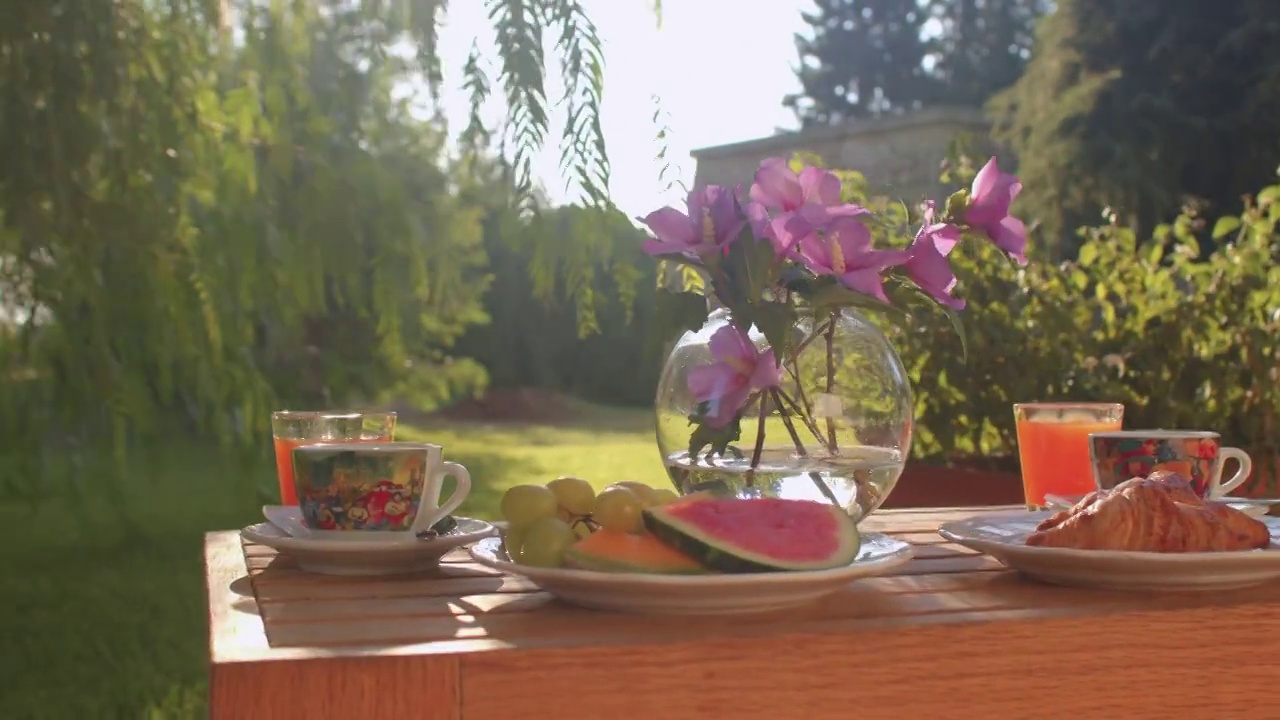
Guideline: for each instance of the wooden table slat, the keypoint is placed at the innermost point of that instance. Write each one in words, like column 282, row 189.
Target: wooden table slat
column 472, row 636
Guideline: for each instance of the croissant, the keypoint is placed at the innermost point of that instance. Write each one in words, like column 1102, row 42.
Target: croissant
column 1159, row 513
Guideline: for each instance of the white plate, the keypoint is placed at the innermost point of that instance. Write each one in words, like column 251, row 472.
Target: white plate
column 329, row 557
column 655, row 594
column 1003, row 537
column 1248, row 506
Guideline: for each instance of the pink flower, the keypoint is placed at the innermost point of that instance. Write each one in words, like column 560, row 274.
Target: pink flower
column 928, row 267
column 736, row 370
column 713, row 221
column 989, row 200
column 806, row 202
column 844, row 251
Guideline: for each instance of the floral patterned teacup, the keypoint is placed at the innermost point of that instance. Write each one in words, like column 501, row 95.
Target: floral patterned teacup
column 374, row 491
column 1196, row 455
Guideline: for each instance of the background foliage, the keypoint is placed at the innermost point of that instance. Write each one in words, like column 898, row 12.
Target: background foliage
column 1140, row 108
column 865, row 58
column 213, row 208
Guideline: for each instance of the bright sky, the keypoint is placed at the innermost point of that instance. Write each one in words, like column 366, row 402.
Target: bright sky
column 721, row 74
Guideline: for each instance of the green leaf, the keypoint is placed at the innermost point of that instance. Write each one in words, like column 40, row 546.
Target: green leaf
column 775, row 320
column 717, row 439
column 957, row 324
column 955, row 207
column 1155, row 252
column 798, row 280
column 1088, row 254
column 750, row 268
column 676, row 312
column 1225, row 226
column 679, row 259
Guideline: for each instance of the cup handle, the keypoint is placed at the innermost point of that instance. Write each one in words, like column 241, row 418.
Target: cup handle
column 462, row 480
column 1246, row 467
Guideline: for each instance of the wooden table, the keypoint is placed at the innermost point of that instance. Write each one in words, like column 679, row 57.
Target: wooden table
column 949, row 635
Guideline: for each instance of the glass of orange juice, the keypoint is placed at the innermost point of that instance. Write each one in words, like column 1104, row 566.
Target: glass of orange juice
column 1053, row 446
column 291, row 428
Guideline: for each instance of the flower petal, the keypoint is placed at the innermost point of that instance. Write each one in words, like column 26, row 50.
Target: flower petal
column 657, row 247
column 815, row 253
column 819, row 186
column 987, row 208
column 758, row 216
column 879, row 260
column 724, row 408
column 730, row 345
column 671, row 226
column 788, row 230
column 776, row 185
column 866, row 281
column 851, row 235
column 1011, row 236
column 985, row 181
column 846, row 210
column 929, row 270
column 767, row 374
column 709, row 381
column 945, row 237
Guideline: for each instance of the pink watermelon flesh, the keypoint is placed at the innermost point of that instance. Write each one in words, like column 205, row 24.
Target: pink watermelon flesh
column 757, row 535
column 789, row 530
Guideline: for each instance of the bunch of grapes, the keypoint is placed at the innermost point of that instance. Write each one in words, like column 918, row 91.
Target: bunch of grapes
column 544, row 520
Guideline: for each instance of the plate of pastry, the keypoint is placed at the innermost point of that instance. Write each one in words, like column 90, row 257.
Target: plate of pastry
column 1249, row 506
column 1150, row 533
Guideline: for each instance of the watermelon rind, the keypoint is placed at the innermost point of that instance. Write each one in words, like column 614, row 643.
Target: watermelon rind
column 722, row 555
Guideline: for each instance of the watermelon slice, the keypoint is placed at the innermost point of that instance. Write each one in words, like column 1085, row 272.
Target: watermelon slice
column 756, row 535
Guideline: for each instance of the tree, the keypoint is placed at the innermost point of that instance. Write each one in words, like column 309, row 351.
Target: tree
column 1140, row 108
column 203, row 224
column 981, row 46
column 870, row 57
column 865, row 58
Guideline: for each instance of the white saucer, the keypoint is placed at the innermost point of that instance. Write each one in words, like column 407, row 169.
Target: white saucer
column 711, row 594
column 289, row 519
column 328, row 557
column 1248, row 506
column 1004, row 536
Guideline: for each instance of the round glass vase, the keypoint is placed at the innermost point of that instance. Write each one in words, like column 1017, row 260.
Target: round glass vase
column 837, row 429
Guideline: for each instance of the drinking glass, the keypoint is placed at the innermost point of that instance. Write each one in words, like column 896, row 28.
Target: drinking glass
column 291, row 428
column 1053, row 446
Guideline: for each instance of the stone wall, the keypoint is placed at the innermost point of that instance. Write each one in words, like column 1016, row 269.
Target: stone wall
column 898, row 155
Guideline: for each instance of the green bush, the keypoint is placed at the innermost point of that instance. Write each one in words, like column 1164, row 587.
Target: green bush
column 1184, row 341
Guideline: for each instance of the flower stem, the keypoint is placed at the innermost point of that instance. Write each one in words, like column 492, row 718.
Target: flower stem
column 759, row 449
column 813, row 336
column 831, row 382
column 808, row 422
column 795, row 438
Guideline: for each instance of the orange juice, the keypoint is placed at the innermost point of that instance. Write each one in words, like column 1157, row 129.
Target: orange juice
column 1053, row 446
column 291, row 429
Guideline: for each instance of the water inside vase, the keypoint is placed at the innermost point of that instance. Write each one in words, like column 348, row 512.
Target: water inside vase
column 858, row 479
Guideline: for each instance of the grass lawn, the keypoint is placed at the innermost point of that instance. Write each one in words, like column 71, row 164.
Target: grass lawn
column 103, row 586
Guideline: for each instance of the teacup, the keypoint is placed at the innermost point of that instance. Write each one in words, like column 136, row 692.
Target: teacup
column 374, row 491
column 1196, row 455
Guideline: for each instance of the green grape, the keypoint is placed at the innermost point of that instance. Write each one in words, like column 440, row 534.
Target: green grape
column 581, row 529
column 523, row 504
column 617, row 508
column 575, row 495
column 545, row 542
column 643, row 493
column 662, row 496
